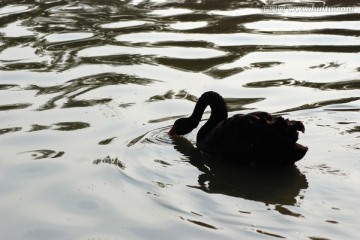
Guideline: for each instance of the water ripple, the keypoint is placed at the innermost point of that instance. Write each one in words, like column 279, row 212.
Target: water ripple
column 44, row 153
column 242, row 39
column 157, row 136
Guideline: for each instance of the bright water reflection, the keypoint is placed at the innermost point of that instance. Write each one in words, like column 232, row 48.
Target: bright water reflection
column 90, row 88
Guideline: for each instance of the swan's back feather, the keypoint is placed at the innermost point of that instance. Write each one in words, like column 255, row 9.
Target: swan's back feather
column 255, row 138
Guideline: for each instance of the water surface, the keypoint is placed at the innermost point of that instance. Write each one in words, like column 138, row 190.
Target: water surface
column 90, row 88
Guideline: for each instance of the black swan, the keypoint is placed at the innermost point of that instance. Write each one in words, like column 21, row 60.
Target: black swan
column 255, row 139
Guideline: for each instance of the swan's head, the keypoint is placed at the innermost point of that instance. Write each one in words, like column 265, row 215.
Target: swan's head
column 181, row 126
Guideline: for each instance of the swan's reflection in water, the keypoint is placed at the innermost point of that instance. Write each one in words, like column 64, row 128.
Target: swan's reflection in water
column 270, row 186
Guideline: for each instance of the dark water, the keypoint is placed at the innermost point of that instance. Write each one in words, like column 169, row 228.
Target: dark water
column 90, row 88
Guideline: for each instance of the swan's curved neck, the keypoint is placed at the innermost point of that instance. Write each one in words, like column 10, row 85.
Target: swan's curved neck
column 218, row 113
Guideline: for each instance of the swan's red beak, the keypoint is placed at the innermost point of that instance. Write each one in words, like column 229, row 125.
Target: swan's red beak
column 171, row 132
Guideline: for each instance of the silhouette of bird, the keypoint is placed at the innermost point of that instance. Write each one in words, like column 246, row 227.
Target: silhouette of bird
column 256, row 139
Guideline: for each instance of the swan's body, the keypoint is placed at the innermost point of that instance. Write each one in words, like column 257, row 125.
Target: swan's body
column 256, row 138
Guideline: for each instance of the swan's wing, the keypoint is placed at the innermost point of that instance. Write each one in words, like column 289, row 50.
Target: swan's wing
column 256, row 138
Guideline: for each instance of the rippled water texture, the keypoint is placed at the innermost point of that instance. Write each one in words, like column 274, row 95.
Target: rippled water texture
column 90, row 88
